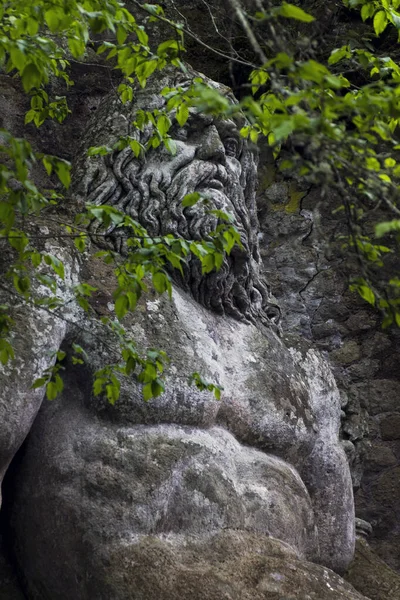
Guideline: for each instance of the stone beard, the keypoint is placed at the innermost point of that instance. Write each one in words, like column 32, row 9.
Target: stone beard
column 213, row 159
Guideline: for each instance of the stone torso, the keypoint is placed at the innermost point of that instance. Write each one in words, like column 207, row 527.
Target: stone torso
column 185, row 466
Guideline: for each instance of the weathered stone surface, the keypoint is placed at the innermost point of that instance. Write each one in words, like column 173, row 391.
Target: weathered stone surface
column 379, row 395
column 380, row 507
column 308, row 279
column 390, row 426
column 380, row 456
column 231, row 565
column 105, row 464
column 300, row 273
column 347, row 354
column 234, row 565
column 266, row 460
column 36, row 336
column 370, row 575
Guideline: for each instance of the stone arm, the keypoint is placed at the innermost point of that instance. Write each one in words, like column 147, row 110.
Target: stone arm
column 36, row 336
column 326, row 471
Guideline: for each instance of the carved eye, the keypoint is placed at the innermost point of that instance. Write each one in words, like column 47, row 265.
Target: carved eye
column 231, row 147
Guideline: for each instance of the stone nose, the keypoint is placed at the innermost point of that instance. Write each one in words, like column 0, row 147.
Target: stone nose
column 211, row 146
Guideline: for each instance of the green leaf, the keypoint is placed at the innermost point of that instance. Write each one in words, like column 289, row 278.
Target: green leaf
column 312, row 70
column 18, row 240
column 339, row 54
column 21, row 284
column 208, row 263
column 76, row 46
column 149, row 373
column 182, row 114
column 51, row 390
column 56, row 264
column 47, row 281
column 127, row 94
column 372, row 164
column 121, row 35
column 36, row 259
column 99, row 150
column 389, row 163
column 130, row 365
column 31, row 77
column 30, row 115
column 380, row 22
column 63, row 171
column 121, row 306
column 170, row 145
column 47, row 165
column 160, row 282
column 230, row 241
column 367, row 11
column 367, row 294
column 18, row 58
column 147, row 392
column 395, row 18
column 53, row 18
column 382, row 229
column 40, row 382
column 157, row 387
column 142, row 35
column 144, row 71
column 136, row 148
column 217, row 392
column 294, row 12
column 191, row 199
column 80, row 242
column 284, row 129
column 112, row 391
column 79, row 350
column 169, row 46
column 6, row 351
column 384, row 177
column 163, row 125
column 98, row 385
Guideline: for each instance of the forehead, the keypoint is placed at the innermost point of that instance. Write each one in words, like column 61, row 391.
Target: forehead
column 226, row 127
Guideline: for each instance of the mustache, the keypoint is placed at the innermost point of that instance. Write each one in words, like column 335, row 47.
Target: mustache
column 218, row 174
column 196, row 174
column 224, row 191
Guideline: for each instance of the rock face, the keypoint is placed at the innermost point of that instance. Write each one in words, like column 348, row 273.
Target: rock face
column 370, row 575
column 379, row 493
column 184, row 494
column 310, row 283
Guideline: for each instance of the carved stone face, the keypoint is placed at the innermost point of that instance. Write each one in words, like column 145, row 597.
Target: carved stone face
column 211, row 158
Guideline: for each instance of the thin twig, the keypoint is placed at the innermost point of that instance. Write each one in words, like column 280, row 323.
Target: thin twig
column 235, row 4
column 196, row 38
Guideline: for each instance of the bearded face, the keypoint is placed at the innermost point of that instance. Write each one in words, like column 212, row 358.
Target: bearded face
column 213, row 159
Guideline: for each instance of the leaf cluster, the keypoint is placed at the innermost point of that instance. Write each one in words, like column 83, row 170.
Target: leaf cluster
column 322, row 125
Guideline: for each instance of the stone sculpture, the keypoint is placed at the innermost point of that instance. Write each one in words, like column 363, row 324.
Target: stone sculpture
column 211, row 157
column 164, row 499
